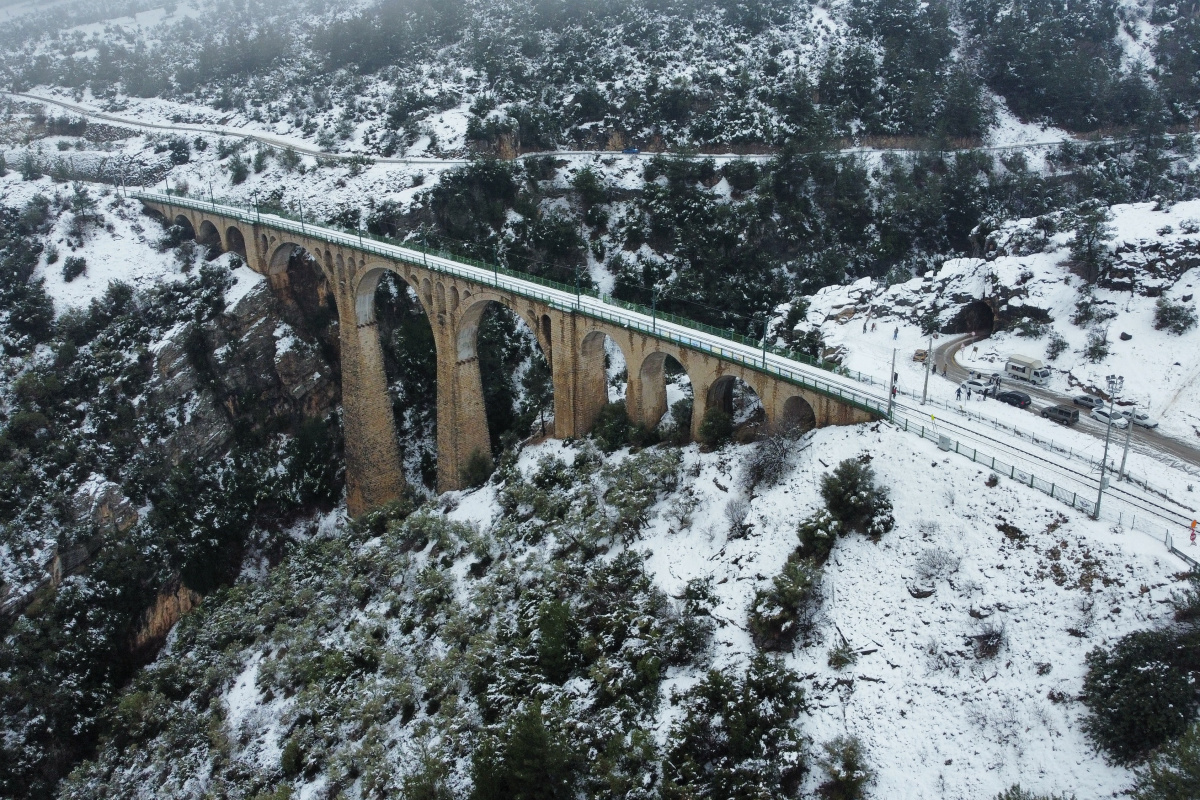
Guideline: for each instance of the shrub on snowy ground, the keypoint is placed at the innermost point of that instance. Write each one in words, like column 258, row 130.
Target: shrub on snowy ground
column 1187, row 602
column 526, row 759
column 716, row 428
column 768, row 462
column 1176, row 318
column 737, row 738
column 846, row 772
column 817, row 534
column 787, row 609
column 854, row 500
column 611, row 431
column 1097, row 345
column 1141, row 692
column 1015, row 792
column 1174, row 771
column 1056, row 345
column 477, row 470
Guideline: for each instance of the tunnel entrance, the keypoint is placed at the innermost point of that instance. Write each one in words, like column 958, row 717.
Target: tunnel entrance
column 975, row 317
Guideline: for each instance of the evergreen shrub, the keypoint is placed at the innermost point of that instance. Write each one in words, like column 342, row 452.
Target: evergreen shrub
column 1173, row 773
column 73, row 267
column 1176, row 318
column 846, row 772
column 854, row 500
column 611, row 431
column 1015, row 792
column 477, row 470
column 1141, row 692
column 787, row 609
column 716, row 428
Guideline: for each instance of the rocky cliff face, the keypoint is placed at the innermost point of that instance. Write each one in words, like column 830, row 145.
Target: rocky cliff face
column 261, row 360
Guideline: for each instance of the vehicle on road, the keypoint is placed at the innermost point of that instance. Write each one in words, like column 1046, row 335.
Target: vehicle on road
column 1067, row 415
column 1018, row 399
column 1141, row 418
column 920, row 356
column 1118, row 420
column 1024, row 368
column 977, row 386
column 1087, row 401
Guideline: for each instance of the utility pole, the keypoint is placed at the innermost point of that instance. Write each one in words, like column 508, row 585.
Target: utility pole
column 928, row 358
column 1128, row 436
column 1115, row 383
column 892, row 388
column 766, row 321
column 654, row 309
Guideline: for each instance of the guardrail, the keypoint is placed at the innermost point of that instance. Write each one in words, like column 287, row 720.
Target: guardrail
column 754, row 354
column 1049, row 445
column 1126, row 518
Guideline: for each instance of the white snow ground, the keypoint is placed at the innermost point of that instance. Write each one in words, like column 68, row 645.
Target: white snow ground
column 937, row 722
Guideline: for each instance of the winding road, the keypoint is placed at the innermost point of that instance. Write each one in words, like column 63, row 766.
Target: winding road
column 1144, row 439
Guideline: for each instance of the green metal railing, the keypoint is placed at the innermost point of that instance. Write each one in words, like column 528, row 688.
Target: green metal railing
column 561, row 296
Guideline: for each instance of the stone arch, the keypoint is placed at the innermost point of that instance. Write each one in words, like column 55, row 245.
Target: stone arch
column 185, row 223
column 235, row 242
column 797, row 415
column 364, row 293
column 282, row 255
column 654, row 398
column 209, row 236
column 739, row 399
column 467, row 326
column 399, row 346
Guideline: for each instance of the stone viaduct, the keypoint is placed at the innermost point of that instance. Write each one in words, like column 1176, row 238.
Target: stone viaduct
column 453, row 297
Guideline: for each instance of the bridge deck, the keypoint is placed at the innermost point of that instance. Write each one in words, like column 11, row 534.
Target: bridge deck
column 783, row 365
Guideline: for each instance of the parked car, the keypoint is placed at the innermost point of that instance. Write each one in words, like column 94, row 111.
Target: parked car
column 1067, row 415
column 1087, row 401
column 1018, row 399
column 977, row 386
column 1141, row 418
column 1118, row 420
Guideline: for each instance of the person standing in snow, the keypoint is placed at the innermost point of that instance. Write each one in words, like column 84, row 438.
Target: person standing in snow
column 896, row 333
column 958, row 393
column 968, row 394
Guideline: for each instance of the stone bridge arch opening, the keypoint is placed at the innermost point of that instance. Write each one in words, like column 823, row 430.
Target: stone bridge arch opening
column 409, row 353
column 797, row 416
column 737, row 399
column 184, row 224
column 603, row 376
column 210, row 238
column 666, row 394
column 308, row 302
column 517, row 386
column 236, row 243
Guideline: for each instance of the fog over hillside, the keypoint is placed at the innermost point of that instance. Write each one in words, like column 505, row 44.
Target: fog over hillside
column 910, row 199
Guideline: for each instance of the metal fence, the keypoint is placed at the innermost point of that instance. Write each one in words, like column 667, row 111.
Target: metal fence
column 1112, row 509
column 1051, row 446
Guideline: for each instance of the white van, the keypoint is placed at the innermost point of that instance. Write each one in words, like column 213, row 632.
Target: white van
column 1024, row 368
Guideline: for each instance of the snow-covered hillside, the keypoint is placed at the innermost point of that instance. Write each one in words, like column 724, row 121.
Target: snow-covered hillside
column 968, row 624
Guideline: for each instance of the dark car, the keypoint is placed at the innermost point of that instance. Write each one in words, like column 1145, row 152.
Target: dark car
column 1018, row 399
column 1087, row 401
column 1064, row 414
